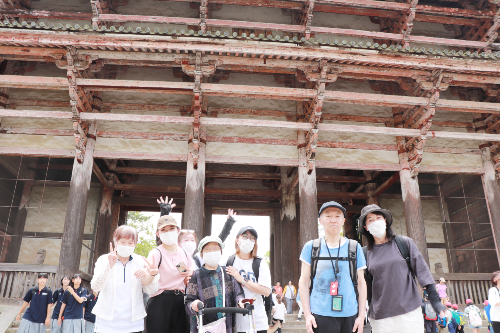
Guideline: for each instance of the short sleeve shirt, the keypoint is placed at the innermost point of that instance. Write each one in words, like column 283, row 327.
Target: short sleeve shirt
column 441, row 289
column 38, row 300
column 57, row 297
column 320, row 299
column 74, row 309
column 245, row 269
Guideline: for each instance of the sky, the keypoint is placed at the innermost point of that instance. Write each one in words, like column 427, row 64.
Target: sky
column 260, row 223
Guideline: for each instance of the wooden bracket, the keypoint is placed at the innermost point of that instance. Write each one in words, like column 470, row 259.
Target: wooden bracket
column 307, row 17
column 196, row 107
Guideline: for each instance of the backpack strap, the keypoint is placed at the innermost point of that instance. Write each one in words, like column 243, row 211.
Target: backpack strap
column 405, row 253
column 316, row 247
column 230, row 260
column 161, row 257
column 256, row 267
column 197, row 261
column 353, row 261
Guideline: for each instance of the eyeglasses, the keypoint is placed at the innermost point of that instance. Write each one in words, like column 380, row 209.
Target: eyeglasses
column 252, row 238
column 187, row 230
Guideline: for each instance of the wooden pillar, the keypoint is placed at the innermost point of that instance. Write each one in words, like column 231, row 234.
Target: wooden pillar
column 307, row 196
column 492, row 193
column 115, row 217
column 195, row 187
column 20, row 221
column 289, row 231
column 271, row 248
column 278, row 247
column 71, row 243
column 104, row 217
column 207, row 225
column 413, row 211
column 370, row 188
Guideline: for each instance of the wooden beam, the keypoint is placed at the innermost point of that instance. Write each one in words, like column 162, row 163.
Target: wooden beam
column 385, row 185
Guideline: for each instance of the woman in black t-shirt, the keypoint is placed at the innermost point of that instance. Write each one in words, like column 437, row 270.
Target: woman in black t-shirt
column 72, row 307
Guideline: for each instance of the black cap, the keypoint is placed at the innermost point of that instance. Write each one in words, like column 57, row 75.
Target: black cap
column 245, row 229
column 372, row 209
column 329, row 204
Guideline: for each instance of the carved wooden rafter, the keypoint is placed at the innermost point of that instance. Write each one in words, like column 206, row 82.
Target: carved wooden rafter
column 313, row 109
column 403, row 24
column 104, row 7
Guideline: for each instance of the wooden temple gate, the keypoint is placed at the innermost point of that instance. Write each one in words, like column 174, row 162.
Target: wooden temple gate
column 303, row 119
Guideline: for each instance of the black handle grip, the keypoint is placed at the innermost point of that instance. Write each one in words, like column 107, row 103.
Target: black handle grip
column 200, row 306
column 225, row 310
column 249, row 307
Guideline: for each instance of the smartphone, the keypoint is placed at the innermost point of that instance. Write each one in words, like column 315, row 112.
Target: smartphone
column 181, row 267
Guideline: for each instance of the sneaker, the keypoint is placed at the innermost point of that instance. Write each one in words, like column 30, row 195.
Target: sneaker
column 299, row 319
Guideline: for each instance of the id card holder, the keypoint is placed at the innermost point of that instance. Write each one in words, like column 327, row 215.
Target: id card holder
column 337, row 303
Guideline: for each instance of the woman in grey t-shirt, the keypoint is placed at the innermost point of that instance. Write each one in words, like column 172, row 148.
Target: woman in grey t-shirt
column 396, row 302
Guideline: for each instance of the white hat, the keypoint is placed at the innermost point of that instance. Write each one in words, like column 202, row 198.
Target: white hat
column 442, row 279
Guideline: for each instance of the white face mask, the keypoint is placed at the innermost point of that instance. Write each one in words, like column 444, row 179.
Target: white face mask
column 125, row 251
column 169, row 238
column 189, row 247
column 246, row 245
column 377, row 228
column 212, row 258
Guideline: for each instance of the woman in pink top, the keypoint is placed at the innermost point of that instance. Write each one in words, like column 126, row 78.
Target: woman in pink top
column 165, row 309
column 441, row 289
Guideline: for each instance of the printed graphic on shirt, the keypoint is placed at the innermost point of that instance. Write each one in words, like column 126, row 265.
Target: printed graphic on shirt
column 250, row 275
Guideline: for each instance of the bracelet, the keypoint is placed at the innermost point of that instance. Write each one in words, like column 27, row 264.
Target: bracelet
column 244, row 283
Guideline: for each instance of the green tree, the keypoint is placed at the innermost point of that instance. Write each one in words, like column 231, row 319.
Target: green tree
column 147, row 237
column 267, row 257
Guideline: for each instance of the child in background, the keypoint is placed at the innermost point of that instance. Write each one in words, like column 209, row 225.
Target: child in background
column 57, row 297
column 89, row 316
column 279, row 311
column 453, row 318
column 461, row 324
column 72, row 307
column 474, row 315
column 37, row 317
column 487, row 308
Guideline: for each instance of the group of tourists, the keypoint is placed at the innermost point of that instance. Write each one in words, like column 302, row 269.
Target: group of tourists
column 338, row 279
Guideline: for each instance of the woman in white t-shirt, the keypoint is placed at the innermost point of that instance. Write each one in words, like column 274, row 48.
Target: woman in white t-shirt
column 279, row 311
column 242, row 271
column 494, row 301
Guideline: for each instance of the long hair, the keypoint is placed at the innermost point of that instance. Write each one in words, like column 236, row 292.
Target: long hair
column 66, row 276
column 389, row 233
column 253, row 254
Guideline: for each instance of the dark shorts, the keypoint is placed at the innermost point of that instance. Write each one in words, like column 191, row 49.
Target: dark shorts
column 334, row 324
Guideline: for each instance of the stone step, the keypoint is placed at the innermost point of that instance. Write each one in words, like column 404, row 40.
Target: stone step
column 294, row 330
column 15, row 323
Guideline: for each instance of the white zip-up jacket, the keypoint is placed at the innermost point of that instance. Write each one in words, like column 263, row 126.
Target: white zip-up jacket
column 104, row 282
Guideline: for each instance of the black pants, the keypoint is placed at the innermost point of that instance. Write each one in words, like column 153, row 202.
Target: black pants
column 496, row 326
column 166, row 314
column 334, row 324
column 430, row 326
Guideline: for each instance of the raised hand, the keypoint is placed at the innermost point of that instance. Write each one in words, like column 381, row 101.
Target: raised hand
column 161, row 201
column 231, row 213
column 71, row 290
column 112, row 256
column 150, row 269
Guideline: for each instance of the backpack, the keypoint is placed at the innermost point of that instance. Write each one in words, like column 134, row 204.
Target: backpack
column 430, row 313
column 352, row 258
column 475, row 318
column 405, row 253
column 268, row 300
column 456, row 316
column 462, row 318
column 441, row 321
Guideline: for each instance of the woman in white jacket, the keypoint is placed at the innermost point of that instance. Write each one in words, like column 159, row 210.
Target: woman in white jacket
column 494, row 301
column 121, row 276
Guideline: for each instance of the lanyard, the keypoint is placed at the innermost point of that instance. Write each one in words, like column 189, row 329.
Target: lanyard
column 336, row 268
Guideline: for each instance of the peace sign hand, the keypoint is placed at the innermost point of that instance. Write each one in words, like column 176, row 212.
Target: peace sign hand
column 151, row 267
column 161, row 201
column 112, row 256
